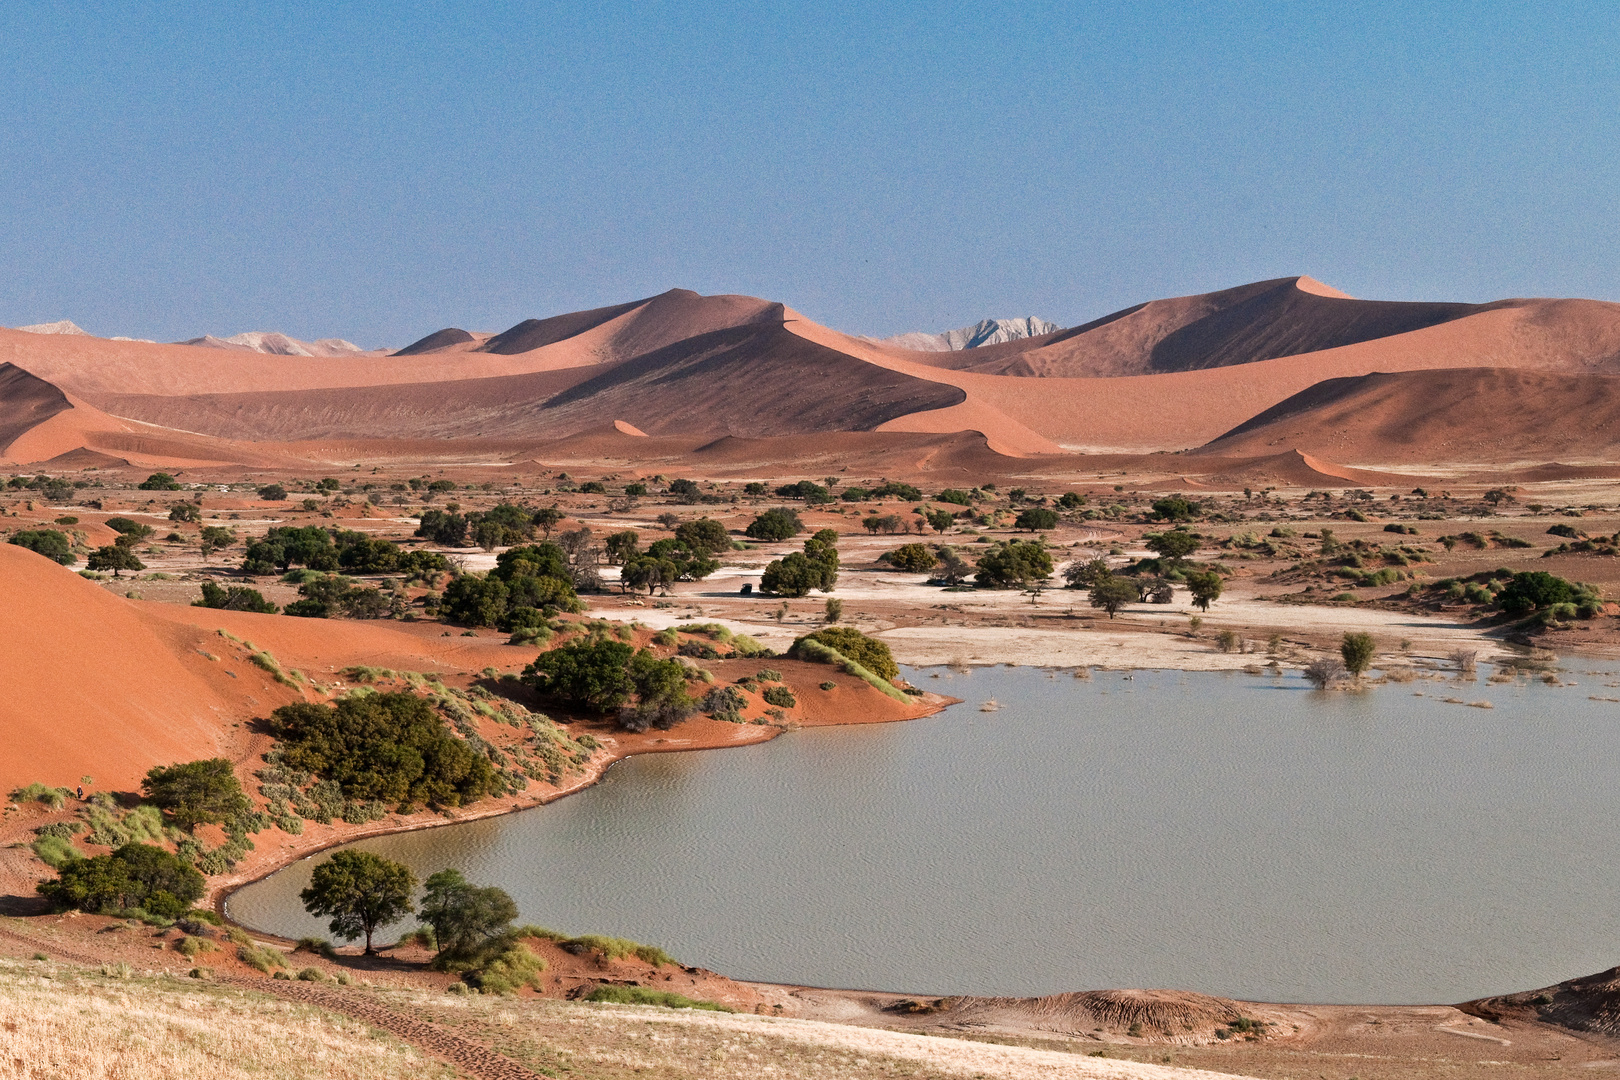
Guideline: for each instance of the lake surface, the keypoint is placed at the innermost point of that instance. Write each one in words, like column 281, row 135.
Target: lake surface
column 1226, row 833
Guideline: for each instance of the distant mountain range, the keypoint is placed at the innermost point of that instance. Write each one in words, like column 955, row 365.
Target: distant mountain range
column 987, row 332
column 278, row 344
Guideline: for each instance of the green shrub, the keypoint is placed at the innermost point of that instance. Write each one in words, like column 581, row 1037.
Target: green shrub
column 724, row 703
column 134, row 875
column 829, row 685
column 913, row 558
column 641, row 995
column 851, row 644
column 808, row 649
column 778, row 524
column 47, row 542
column 779, row 696
column 310, row 974
column 391, row 747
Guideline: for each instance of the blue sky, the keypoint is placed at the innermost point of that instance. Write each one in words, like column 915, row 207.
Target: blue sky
column 376, row 171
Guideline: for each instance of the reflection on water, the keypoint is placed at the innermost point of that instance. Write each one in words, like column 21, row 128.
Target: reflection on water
column 1224, row 833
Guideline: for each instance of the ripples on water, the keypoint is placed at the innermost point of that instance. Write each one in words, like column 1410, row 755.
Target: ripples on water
column 1225, row 833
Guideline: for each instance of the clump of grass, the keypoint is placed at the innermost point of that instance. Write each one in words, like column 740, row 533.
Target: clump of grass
column 318, row 946
column 310, row 974
column 266, row 960
column 641, row 995
column 56, row 851
column 273, row 666
column 614, row 948
column 191, row 947
column 54, row 797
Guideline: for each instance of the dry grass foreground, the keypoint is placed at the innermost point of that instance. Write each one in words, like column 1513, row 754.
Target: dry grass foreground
column 63, row 1021
column 58, row 1020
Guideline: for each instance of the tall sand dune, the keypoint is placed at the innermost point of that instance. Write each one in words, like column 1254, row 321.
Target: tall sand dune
column 1473, row 415
column 95, row 687
column 26, row 401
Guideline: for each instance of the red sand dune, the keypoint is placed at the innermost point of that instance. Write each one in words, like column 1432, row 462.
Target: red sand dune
column 683, row 365
column 96, row 687
column 1479, row 415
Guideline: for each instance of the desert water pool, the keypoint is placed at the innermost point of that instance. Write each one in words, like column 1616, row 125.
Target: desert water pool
column 1226, row 833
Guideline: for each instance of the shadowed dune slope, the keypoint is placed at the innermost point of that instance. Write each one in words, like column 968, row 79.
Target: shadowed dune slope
column 93, row 687
column 749, row 380
column 1260, row 321
column 533, row 334
column 25, row 402
column 439, row 339
column 1480, row 415
column 639, row 327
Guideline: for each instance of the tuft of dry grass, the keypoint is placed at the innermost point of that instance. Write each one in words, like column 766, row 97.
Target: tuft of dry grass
column 62, row 1021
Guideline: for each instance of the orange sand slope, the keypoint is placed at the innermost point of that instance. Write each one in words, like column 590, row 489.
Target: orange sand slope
column 1484, row 415
column 102, row 686
column 1165, row 375
column 93, row 687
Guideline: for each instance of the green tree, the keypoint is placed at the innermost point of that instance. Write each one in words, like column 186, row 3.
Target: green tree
column 1175, row 508
column 1535, row 589
column 234, row 598
column 1112, row 593
column 196, row 791
column 128, row 531
column 391, row 747
column 955, row 496
column 1174, row 546
column 215, row 537
column 1072, row 500
column 1037, row 519
column 1083, row 575
column 160, row 481
column 776, row 524
column 648, row 572
column 47, row 542
column 939, row 520
column 360, row 892
column 705, row 536
column 442, row 527
column 133, row 875
column 588, row 673
column 661, row 697
column 185, row 511
column 1014, row 563
column 1358, row 651
column 462, row 915
column 547, row 518
column 622, row 546
column 114, row 557
column 1205, row 587
column 273, row 493
column 915, row 558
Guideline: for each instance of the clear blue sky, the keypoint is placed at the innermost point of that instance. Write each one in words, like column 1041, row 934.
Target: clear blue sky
column 377, row 171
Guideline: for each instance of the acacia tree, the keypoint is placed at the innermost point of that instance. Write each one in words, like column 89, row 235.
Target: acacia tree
column 1111, row 593
column 1357, row 651
column 1173, row 546
column 196, row 791
column 360, row 892
column 114, row 557
column 1205, row 586
column 462, row 915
